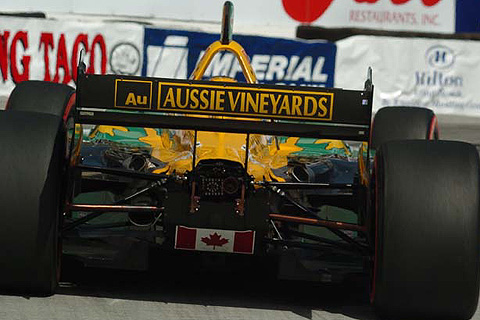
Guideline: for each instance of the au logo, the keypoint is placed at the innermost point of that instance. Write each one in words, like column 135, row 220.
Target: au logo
column 134, row 100
column 133, row 94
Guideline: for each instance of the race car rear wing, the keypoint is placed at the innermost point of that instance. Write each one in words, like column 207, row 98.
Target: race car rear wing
column 225, row 106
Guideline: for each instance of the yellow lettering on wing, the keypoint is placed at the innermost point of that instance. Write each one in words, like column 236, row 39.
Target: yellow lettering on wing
column 285, row 106
column 233, row 102
column 242, row 102
column 131, row 99
column 263, row 103
column 204, row 99
column 219, row 99
column 296, row 103
column 169, row 99
column 306, row 110
column 323, row 107
column 179, row 98
column 252, row 103
column 275, row 102
column 194, row 98
column 142, row 99
column 212, row 100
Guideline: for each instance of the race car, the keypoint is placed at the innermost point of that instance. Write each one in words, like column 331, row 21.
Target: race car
column 122, row 163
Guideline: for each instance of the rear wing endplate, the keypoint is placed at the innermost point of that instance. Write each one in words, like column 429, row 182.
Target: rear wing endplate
column 225, row 106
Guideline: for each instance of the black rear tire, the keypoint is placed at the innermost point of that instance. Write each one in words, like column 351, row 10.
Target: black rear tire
column 31, row 171
column 427, row 230
column 41, row 96
column 403, row 123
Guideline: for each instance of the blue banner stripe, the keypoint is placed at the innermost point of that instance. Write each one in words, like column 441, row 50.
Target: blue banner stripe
column 174, row 54
column 467, row 18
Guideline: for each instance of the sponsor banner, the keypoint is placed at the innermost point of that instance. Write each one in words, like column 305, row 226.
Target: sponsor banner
column 266, row 17
column 174, row 54
column 214, row 240
column 404, row 15
column 39, row 49
column 438, row 74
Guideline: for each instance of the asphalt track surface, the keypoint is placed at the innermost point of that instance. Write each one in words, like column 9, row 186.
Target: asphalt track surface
column 182, row 288
column 179, row 287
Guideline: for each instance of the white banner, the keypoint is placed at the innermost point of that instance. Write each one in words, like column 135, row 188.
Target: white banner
column 438, row 74
column 39, row 49
column 404, row 15
column 270, row 17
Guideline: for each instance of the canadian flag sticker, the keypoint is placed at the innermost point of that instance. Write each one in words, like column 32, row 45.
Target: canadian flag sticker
column 214, row 240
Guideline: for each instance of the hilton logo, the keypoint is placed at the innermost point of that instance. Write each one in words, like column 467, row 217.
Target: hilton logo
column 440, row 57
column 439, row 72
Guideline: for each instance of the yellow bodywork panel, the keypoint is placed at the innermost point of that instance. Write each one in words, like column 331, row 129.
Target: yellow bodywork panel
column 174, row 148
column 177, row 151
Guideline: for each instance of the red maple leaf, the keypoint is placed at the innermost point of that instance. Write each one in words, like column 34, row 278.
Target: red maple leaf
column 214, row 240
